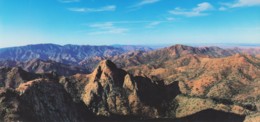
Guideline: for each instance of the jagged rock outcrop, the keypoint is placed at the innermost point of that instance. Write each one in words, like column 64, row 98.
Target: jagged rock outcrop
column 109, row 91
column 112, row 91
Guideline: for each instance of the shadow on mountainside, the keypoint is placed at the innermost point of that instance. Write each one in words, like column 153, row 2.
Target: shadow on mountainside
column 208, row 115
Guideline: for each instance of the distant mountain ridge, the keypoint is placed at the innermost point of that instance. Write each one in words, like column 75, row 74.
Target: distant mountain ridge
column 64, row 54
column 41, row 66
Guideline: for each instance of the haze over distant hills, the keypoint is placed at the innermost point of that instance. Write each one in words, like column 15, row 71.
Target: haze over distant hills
column 176, row 83
column 64, row 54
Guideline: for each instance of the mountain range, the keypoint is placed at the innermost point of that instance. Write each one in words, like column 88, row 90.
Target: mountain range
column 48, row 82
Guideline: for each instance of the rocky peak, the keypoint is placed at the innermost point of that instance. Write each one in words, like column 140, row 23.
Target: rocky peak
column 107, row 66
column 111, row 90
column 179, row 47
column 129, row 84
column 179, row 50
column 106, row 72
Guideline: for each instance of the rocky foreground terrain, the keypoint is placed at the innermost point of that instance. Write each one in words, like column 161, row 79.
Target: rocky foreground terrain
column 177, row 83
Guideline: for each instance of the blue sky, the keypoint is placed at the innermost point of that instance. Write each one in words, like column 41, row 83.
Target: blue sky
column 105, row 22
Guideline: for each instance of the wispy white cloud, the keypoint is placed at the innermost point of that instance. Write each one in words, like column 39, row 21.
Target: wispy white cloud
column 170, row 19
column 113, row 27
column 153, row 24
column 197, row 11
column 243, row 3
column 239, row 3
column 102, row 9
column 222, row 8
column 143, row 3
column 68, row 1
column 106, row 28
column 131, row 22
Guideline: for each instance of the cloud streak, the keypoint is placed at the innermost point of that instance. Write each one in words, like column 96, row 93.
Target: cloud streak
column 199, row 10
column 90, row 10
column 106, row 28
column 143, row 3
column 153, row 24
column 68, row 1
column 244, row 3
column 239, row 3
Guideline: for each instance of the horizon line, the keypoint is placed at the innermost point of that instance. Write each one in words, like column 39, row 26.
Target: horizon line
column 150, row 45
